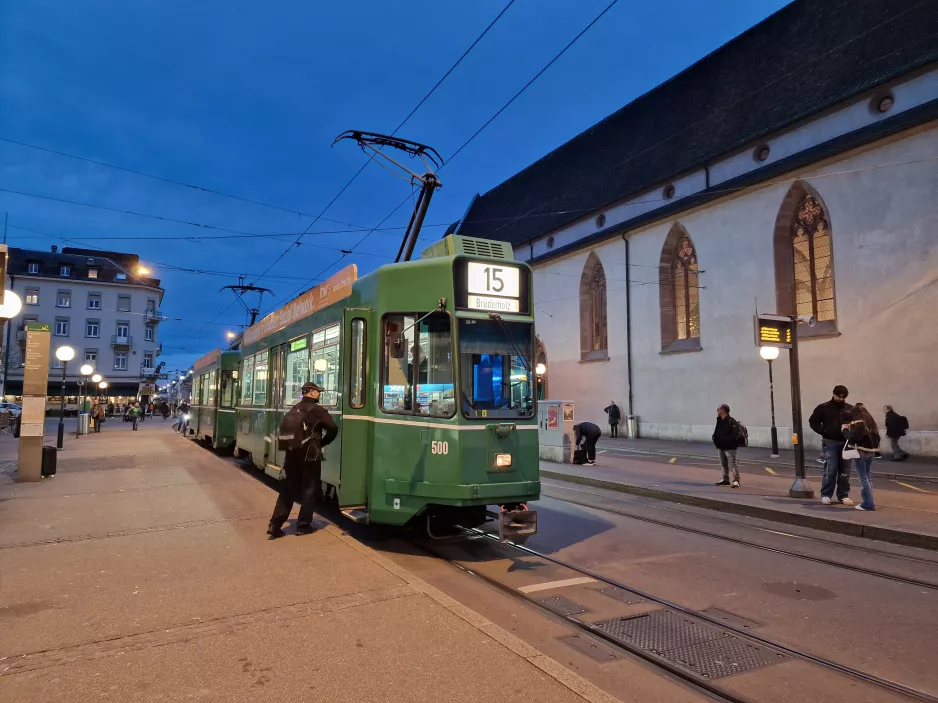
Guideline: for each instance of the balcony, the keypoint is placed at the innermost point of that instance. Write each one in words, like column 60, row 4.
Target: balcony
column 121, row 340
column 152, row 315
column 159, row 348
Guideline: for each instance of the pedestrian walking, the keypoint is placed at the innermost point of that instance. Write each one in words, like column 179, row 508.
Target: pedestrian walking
column 135, row 413
column 726, row 439
column 863, row 435
column 100, row 412
column 589, row 434
column 612, row 410
column 829, row 420
column 896, row 426
column 305, row 430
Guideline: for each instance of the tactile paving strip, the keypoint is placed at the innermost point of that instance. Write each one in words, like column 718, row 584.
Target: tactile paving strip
column 698, row 647
column 563, row 605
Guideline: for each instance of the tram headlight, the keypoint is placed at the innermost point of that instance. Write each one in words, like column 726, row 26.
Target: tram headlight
column 502, row 461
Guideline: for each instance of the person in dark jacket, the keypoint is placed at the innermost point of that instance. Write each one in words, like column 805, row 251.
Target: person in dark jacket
column 612, row 410
column 726, row 439
column 896, row 426
column 303, row 466
column 863, row 434
column 589, row 433
column 829, row 420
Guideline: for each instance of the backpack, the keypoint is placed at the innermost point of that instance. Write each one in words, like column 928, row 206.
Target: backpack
column 293, row 433
column 905, row 424
column 743, row 436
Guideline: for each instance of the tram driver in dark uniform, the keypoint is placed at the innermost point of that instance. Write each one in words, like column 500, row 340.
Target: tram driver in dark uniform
column 306, row 430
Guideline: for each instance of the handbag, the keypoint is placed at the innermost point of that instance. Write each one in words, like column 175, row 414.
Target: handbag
column 851, row 453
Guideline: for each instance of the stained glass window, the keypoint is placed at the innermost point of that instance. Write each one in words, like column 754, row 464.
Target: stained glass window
column 686, row 292
column 598, row 333
column 814, row 278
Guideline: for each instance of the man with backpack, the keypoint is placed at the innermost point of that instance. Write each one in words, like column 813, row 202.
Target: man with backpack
column 727, row 436
column 896, row 426
column 305, row 430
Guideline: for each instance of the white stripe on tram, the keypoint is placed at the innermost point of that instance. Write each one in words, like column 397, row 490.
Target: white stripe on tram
column 410, row 423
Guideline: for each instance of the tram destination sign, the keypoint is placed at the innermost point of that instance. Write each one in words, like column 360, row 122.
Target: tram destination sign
column 491, row 286
column 773, row 331
column 325, row 294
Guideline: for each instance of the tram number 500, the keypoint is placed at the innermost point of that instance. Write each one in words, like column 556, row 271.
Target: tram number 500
column 439, row 447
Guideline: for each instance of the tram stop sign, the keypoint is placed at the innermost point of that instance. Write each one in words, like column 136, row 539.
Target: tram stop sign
column 773, row 331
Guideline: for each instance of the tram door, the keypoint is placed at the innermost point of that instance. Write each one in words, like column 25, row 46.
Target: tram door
column 358, row 402
column 276, row 410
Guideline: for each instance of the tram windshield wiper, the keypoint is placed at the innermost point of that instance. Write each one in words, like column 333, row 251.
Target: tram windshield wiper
column 514, row 346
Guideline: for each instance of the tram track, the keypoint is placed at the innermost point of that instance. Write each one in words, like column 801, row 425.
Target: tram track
column 702, row 683
column 755, row 545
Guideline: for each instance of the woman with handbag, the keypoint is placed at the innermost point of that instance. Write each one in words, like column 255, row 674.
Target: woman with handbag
column 862, row 444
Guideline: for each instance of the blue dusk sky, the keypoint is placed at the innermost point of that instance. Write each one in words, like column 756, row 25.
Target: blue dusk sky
column 245, row 98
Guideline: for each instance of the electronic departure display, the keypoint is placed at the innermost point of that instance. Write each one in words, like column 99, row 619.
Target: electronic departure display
column 492, row 286
column 773, row 331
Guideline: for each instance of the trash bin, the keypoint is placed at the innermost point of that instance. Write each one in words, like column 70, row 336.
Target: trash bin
column 633, row 427
column 49, row 455
column 83, row 423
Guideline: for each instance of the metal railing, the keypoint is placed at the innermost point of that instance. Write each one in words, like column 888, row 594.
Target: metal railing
column 123, row 340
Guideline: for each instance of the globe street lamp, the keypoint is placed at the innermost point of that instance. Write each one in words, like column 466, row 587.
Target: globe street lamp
column 770, row 354
column 11, row 308
column 63, row 354
column 85, row 371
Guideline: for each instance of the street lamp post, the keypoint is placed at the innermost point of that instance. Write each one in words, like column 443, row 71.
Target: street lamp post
column 63, row 354
column 85, row 371
column 11, row 307
column 770, row 354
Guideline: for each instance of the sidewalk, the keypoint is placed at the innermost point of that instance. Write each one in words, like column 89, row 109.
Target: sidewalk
column 904, row 514
column 142, row 572
column 915, row 468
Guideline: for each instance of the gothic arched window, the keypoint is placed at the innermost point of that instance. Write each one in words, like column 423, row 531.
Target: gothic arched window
column 594, row 337
column 804, row 262
column 679, row 292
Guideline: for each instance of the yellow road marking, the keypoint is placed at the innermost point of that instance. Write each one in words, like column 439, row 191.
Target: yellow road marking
column 673, row 459
column 770, row 471
column 914, row 488
column 533, row 588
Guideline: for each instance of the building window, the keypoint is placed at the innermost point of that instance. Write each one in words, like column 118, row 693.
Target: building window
column 91, row 357
column 594, row 335
column 92, row 328
column 122, row 331
column 148, row 334
column 814, row 280
column 120, row 277
column 120, row 361
column 123, row 303
column 92, row 273
column 32, row 296
column 94, row 301
column 61, row 327
column 148, row 360
column 63, row 299
column 804, row 265
column 65, row 270
column 33, row 267
column 151, row 306
column 679, row 292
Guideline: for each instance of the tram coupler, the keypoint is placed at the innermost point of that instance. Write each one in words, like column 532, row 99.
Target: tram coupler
column 516, row 523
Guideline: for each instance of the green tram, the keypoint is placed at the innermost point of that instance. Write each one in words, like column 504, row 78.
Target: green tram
column 427, row 367
column 212, row 413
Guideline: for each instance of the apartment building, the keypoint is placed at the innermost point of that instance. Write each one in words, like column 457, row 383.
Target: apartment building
column 101, row 303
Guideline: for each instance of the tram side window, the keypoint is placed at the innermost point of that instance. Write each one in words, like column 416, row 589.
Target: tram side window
column 357, row 364
column 417, row 377
column 297, row 370
column 247, row 383
column 211, row 389
column 229, row 385
column 260, row 378
column 325, row 361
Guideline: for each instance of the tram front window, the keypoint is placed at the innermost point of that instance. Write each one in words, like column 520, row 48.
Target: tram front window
column 418, row 368
column 495, row 367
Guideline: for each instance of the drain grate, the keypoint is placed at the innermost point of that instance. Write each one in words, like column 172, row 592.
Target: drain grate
column 563, row 605
column 700, row 648
column 620, row 594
